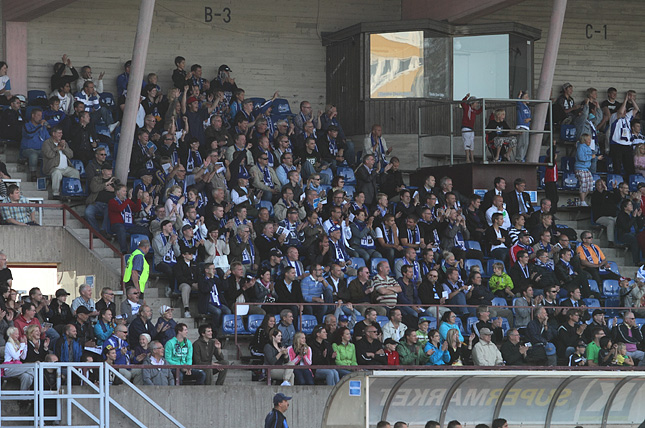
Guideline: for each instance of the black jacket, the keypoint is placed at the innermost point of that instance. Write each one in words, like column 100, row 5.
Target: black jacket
column 138, row 327
column 286, row 296
column 490, row 237
column 512, row 203
column 363, row 347
column 232, row 292
column 604, row 204
column 205, row 288
column 186, row 274
column 367, row 182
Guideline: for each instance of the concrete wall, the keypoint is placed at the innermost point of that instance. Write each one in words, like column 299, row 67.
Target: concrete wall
column 55, row 245
column 582, row 61
column 269, row 45
column 209, row 406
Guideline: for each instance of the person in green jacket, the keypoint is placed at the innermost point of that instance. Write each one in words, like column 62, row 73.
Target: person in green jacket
column 179, row 351
column 500, row 282
column 345, row 351
column 410, row 352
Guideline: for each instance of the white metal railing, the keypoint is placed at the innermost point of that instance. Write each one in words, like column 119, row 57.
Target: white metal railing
column 67, row 394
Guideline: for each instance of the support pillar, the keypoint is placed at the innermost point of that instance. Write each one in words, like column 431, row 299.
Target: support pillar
column 15, row 52
column 139, row 55
column 546, row 77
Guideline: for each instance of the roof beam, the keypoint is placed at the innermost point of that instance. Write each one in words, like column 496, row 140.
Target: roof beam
column 25, row 11
column 455, row 11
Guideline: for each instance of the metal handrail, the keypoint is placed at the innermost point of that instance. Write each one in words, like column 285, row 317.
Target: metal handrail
column 93, row 233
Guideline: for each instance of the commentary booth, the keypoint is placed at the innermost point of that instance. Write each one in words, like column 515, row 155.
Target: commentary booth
column 530, row 399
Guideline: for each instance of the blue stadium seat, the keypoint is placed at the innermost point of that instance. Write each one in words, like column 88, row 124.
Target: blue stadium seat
column 328, row 173
column 135, row 239
column 640, row 321
column 381, row 320
column 473, row 245
column 33, row 95
column 634, row 179
column 505, row 325
column 277, row 319
column 325, row 187
column 613, row 180
column 499, row 301
column 254, row 322
column 107, row 99
column 470, row 322
column 228, row 325
column 460, row 325
column 610, row 288
column 308, row 323
column 374, row 263
column 357, row 262
column 593, row 285
column 350, row 190
column 359, row 318
column 72, row 187
column 569, row 181
column 568, row 133
column 78, row 164
column 473, row 262
column 613, row 266
column 592, row 303
column 348, row 173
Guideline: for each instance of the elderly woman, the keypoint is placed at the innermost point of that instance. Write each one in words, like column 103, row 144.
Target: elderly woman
column 15, row 353
column 142, row 351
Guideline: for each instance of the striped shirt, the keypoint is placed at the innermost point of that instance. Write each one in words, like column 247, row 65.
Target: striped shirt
column 92, row 102
column 381, row 283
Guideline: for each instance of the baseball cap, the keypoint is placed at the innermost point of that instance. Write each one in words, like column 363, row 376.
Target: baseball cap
column 164, row 308
column 242, row 175
column 597, row 311
column 186, row 227
column 581, row 343
column 191, row 100
column 422, row 319
column 343, row 318
column 276, row 252
column 333, row 229
column 485, row 331
column 61, row 292
column 566, row 86
column 390, row 341
column 82, row 310
column 280, row 397
column 225, row 67
column 523, row 234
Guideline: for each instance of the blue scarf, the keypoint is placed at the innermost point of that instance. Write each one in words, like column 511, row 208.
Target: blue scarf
column 194, row 160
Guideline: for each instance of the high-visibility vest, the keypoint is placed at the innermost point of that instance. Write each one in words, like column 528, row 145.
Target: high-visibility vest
column 143, row 278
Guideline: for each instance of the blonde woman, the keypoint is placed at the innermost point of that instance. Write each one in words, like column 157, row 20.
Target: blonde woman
column 300, row 355
column 14, row 353
column 36, row 349
column 459, row 351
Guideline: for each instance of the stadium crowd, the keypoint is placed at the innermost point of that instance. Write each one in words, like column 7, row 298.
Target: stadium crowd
column 236, row 203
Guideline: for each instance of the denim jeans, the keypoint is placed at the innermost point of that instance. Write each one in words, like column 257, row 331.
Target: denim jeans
column 32, row 156
column 122, row 233
column 216, row 314
column 96, row 211
column 330, row 375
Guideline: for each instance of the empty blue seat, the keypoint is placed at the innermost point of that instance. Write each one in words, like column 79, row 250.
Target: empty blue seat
column 569, row 181
column 281, row 108
column 567, row 163
column 308, row 323
column 613, row 266
column 473, row 262
column 634, row 179
column 610, row 322
column 610, row 288
column 592, row 303
column 72, row 187
column 348, row 173
column 229, row 322
column 568, row 133
column 593, row 285
column 460, row 325
column 470, row 322
column 357, row 262
column 374, row 263
column 349, row 189
column 499, row 301
column 35, row 94
column 473, row 245
column 254, row 322
column 78, row 164
column 505, row 325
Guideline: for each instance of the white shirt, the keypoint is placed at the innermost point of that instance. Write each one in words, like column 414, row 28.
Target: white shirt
column 62, row 162
column 492, row 210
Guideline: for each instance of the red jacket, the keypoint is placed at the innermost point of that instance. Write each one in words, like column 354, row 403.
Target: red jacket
column 468, row 119
column 393, row 358
column 116, row 208
column 551, row 174
column 516, row 248
column 21, row 324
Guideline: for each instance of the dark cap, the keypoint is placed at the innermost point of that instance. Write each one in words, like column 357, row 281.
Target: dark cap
column 224, row 67
column 566, row 86
column 343, row 318
column 641, row 184
column 279, row 398
column 276, row 252
column 106, row 165
column 390, row 341
column 581, row 343
column 143, row 172
column 82, row 310
column 317, row 329
column 61, row 292
column 597, row 311
column 523, row 234
column 165, row 222
column 186, row 227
